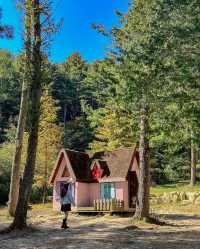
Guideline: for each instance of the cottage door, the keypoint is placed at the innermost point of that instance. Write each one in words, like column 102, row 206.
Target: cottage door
column 133, row 188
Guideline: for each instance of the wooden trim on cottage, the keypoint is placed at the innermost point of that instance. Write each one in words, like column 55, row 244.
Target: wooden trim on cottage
column 62, row 155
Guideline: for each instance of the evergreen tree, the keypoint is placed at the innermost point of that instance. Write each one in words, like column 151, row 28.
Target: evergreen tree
column 113, row 128
column 49, row 139
column 9, row 91
column 139, row 54
column 68, row 89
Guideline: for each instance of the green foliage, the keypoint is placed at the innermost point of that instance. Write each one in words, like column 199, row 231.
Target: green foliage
column 67, row 85
column 174, row 187
column 9, row 91
column 6, row 151
column 114, row 128
column 154, row 61
column 68, row 90
column 78, row 134
column 37, row 192
column 50, row 134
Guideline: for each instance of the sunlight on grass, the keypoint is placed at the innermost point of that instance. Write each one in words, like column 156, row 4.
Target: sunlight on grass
column 42, row 206
column 178, row 208
column 178, row 187
column 4, row 216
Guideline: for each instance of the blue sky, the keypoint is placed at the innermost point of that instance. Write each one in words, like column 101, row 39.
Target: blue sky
column 76, row 33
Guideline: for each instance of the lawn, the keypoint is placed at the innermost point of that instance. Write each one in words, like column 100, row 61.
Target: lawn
column 175, row 187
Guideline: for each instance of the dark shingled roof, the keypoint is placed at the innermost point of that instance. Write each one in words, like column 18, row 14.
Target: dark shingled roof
column 80, row 164
column 116, row 164
column 118, row 161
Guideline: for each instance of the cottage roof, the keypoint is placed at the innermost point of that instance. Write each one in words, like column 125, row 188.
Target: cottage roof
column 78, row 162
column 116, row 164
column 118, row 161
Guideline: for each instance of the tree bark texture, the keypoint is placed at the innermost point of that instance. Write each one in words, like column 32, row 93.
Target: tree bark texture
column 45, row 175
column 193, row 161
column 34, row 113
column 15, row 175
column 142, row 205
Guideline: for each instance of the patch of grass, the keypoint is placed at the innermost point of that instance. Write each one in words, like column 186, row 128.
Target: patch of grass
column 4, row 216
column 42, row 206
column 38, row 212
column 179, row 207
column 176, row 187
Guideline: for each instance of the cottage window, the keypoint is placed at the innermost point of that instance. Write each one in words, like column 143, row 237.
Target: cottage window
column 107, row 190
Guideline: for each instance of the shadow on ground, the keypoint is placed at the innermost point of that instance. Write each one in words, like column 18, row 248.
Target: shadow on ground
column 100, row 233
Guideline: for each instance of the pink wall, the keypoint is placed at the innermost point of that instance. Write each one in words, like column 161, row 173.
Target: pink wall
column 94, row 189
column 122, row 192
column 86, row 193
column 82, row 194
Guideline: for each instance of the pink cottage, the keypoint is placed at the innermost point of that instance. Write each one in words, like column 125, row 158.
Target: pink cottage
column 103, row 181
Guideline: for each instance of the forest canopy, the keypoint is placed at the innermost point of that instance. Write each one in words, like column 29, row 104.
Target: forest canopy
column 95, row 106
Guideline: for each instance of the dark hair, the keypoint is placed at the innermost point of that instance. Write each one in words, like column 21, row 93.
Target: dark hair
column 64, row 190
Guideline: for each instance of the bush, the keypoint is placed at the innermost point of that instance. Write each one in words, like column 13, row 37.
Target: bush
column 6, row 152
column 37, row 192
column 4, row 184
column 5, row 172
column 171, row 174
column 4, row 191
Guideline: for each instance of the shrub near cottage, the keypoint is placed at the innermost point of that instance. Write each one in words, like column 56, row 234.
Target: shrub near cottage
column 37, row 191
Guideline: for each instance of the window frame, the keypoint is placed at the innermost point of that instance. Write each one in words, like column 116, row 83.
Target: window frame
column 111, row 187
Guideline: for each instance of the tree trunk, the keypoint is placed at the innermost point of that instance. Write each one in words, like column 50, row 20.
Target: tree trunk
column 193, row 161
column 15, row 175
column 142, row 205
column 34, row 113
column 45, row 175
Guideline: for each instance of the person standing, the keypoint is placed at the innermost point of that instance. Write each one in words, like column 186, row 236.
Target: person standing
column 66, row 199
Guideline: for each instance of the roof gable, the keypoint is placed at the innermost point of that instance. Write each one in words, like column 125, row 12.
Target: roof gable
column 77, row 165
column 115, row 164
column 117, row 161
column 99, row 169
column 61, row 156
column 80, row 164
column 65, row 172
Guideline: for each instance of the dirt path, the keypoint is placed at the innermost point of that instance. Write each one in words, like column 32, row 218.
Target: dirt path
column 107, row 232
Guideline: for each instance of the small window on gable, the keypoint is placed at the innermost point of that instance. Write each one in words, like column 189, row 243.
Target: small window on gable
column 96, row 172
column 65, row 172
column 108, row 191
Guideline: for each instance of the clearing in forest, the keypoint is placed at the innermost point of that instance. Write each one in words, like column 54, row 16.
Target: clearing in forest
column 182, row 231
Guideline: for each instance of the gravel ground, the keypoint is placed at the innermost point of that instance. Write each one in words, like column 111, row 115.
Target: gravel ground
column 183, row 232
